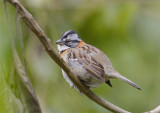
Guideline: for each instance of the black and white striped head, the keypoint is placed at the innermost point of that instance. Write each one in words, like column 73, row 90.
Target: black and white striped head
column 69, row 39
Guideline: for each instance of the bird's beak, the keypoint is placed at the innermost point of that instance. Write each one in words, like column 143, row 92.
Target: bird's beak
column 59, row 42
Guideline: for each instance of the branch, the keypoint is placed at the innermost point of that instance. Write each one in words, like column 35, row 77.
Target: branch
column 156, row 110
column 32, row 24
column 29, row 95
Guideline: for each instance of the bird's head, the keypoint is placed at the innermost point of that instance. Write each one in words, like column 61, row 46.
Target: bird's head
column 69, row 39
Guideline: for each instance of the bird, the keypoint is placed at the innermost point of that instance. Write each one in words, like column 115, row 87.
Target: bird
column 87, row 62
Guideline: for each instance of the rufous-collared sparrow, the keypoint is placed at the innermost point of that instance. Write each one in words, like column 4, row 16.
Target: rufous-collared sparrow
column 87, row 62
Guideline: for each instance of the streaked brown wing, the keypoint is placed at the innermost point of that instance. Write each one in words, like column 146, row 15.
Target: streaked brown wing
column 96, row 69
column 100, row 58
column 83, row 56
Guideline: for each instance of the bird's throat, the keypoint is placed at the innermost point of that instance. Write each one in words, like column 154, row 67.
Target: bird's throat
column 62, row 48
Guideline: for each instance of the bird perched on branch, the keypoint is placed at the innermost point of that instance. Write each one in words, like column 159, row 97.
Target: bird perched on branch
column 87, row 62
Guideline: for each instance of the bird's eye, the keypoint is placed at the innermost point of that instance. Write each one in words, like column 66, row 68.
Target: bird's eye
column 67, row 41
column 71, row 41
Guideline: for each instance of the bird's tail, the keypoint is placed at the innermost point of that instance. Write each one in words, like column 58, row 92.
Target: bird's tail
column 119, row 76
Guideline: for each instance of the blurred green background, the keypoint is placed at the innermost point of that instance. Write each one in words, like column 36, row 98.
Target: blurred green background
column 128, row 31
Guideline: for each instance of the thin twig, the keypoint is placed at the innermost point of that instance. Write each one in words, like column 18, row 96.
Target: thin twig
column 32, row 100
column 32, row 24
column 28, row 94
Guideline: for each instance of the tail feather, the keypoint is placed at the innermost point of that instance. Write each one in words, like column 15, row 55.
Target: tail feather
column 108, row 82
column 119, row 76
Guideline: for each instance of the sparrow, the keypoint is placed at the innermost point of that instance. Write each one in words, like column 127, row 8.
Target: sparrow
column 88, row 63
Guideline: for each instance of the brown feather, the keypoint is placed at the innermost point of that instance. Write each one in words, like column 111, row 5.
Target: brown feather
column 89, row 63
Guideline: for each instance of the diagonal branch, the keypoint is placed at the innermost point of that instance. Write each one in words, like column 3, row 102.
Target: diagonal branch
column 32, row 24
column 156, row 110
